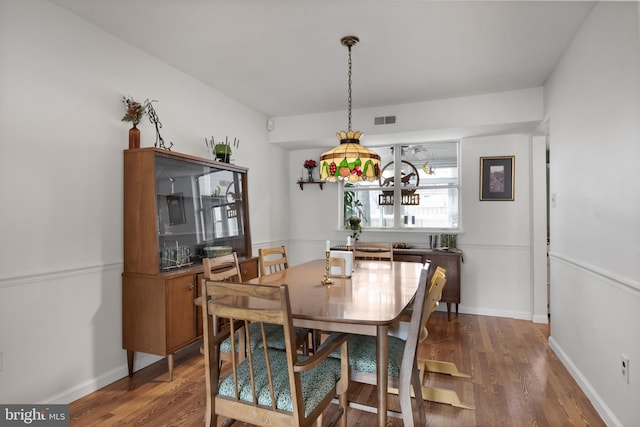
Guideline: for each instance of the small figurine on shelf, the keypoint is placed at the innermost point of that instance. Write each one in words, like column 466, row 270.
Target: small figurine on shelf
column 310, row 165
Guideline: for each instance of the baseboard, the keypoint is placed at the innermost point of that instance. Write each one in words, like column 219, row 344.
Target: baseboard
column 603, row 410
column 540, row 318
column 88, row 387
column 479, row 311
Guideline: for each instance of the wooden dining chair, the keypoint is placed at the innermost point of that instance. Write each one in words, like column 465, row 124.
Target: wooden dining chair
column 269, row 387
column 373, row 250
column 425, row 366
column 226, row 268
column 272, row 260
column 438, row 272
column 223, row 269
column 402, row 367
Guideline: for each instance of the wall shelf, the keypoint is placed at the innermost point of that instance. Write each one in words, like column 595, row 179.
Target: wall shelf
column 301, row 183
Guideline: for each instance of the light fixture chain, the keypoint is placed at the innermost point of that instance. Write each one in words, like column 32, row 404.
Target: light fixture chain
column 349, row 99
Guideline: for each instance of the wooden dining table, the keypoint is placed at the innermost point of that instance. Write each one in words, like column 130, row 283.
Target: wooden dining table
column 367, row 303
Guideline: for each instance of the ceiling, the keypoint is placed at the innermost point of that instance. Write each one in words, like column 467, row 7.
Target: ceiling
column 284, row 57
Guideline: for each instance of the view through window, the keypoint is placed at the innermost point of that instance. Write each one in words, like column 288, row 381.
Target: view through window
column 418, row 188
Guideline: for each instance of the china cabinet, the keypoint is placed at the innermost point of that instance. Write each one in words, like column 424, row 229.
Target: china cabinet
column 178, row 209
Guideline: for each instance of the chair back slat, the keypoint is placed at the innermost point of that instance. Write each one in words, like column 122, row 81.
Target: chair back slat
column 373, row 250
column 222, row 268
column 439, row 272
column 272, row 260
column 438, row 280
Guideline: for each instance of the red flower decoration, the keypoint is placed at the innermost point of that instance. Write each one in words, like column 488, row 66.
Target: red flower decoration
column 310, row 164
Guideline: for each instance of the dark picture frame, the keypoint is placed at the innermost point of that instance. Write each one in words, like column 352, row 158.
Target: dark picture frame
column 175, row 205
column 497, row 178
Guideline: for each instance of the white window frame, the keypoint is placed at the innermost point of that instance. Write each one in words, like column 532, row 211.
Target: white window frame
column 397, row 208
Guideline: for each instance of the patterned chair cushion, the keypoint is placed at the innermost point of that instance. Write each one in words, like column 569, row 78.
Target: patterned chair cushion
column 362, row 354
column 275, row 336
column 316, row 383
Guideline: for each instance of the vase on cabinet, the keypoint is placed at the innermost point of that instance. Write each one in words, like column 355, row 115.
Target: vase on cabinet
column 134, row 137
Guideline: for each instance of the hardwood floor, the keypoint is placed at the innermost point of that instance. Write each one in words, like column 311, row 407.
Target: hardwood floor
column 516, row 380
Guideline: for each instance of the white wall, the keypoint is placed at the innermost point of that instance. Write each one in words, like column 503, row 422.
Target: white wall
column 593, row 105
column 61, row 188
column 496, row 274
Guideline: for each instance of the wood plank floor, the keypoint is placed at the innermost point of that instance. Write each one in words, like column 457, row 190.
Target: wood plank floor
column 516, row 380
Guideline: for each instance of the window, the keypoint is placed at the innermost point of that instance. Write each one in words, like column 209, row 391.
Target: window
column 418, row 188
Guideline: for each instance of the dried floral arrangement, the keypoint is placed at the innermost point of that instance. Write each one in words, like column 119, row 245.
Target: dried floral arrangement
column 134, row 110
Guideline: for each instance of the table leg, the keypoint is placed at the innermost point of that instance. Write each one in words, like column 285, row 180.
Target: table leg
column 382, row 356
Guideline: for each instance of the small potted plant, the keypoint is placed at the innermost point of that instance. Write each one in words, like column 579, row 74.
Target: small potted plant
column 353, row 223
column 310, row 165
column 222, row 152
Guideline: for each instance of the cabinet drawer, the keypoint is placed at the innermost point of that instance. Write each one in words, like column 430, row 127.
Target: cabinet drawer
column 249, row 268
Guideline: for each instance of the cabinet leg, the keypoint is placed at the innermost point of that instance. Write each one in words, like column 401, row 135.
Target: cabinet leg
column 170, row 363
column 448, row 311
column 130, row 362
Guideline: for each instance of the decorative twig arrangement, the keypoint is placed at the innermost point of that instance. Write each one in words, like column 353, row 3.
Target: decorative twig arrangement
column 153, row 118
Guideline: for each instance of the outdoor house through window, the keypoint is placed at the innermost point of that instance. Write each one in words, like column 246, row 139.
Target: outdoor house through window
column 418, row 188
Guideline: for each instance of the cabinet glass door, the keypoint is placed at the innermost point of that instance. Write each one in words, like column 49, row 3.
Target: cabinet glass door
column 200, row 212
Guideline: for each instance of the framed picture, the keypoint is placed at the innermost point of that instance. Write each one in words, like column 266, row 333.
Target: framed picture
column 496, row 178
column 175, row 204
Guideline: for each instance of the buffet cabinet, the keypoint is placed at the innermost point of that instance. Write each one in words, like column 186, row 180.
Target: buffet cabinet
column 178, row 209
column 448, row 260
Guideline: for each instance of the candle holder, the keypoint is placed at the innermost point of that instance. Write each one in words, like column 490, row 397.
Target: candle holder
column 326, row 280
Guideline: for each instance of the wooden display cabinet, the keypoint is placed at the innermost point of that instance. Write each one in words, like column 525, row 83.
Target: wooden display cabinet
column 448, row 260
column 177, row 210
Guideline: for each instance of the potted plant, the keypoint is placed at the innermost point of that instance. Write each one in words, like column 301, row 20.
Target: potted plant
column 222, row 152
column 353, row 223
column 309, row 165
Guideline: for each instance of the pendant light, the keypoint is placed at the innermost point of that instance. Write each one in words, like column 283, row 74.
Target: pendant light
column 350, row 161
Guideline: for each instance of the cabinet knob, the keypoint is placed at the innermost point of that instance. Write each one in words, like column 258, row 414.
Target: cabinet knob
column 190, row 287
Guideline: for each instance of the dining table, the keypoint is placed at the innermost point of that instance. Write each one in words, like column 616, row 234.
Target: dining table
column 368, row 302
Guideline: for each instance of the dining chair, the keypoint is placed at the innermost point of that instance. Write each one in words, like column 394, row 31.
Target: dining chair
column 269, row 387
column 373, row 250
column 406, row 313
column 226, row 268
column 425, row 366
column 402, row 366
column 272, row 259
column 223, row 268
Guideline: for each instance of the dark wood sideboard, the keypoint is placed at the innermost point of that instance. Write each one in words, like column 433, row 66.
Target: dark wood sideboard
column 448, row 260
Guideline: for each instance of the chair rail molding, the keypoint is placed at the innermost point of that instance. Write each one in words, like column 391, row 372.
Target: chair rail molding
column 59, row 274
column 621, row 282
